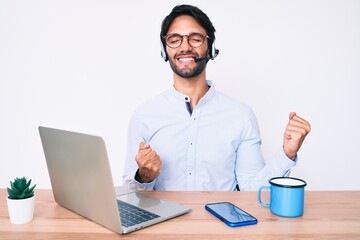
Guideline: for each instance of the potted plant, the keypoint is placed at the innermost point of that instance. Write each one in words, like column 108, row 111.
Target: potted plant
column 21, row 201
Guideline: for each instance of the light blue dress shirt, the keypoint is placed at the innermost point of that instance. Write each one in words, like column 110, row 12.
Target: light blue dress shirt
column 215, row 148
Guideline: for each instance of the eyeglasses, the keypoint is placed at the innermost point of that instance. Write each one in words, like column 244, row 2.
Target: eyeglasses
column 195, row 39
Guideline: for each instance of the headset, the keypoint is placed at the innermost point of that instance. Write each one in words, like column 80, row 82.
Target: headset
column 213, row 52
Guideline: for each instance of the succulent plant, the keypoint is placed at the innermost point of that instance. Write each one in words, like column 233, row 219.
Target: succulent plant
column 20, row 189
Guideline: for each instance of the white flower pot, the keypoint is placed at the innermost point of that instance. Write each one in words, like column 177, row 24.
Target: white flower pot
column 21, row 210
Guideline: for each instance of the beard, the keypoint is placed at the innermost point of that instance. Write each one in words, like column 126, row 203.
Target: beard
column 186, row 72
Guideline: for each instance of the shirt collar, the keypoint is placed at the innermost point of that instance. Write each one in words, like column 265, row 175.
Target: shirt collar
column 208, row 95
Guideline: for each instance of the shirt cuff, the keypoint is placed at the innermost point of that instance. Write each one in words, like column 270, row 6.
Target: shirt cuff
column 133, row 184
column 285, row 164
column 141, row 185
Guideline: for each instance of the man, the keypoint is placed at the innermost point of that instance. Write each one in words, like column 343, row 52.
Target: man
column 192, row 137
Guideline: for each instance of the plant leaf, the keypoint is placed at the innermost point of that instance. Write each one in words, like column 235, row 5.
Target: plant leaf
column 22, row 184
column 32, row 188
column 14, row 191
column 28, row 184
column 12, row 184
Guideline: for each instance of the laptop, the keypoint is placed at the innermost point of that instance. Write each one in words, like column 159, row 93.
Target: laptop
column 81, row 181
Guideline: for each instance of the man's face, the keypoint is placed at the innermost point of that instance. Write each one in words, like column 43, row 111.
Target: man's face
column 182, row 58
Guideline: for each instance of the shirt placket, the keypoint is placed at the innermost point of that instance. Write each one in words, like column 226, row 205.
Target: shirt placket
column 191, row 161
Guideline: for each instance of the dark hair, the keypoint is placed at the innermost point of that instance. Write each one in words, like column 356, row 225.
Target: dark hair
column 196, row 13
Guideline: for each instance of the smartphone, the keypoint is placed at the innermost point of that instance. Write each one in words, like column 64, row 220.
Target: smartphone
column 230, row 214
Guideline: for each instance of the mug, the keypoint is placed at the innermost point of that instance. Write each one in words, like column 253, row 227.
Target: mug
column 286, row 196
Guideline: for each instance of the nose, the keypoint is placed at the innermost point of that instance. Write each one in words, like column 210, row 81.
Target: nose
column 185, row 46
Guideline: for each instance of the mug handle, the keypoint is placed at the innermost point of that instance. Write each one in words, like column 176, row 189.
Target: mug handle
column 259, row 196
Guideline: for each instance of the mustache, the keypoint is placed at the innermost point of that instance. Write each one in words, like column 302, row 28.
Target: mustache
column 186, row 53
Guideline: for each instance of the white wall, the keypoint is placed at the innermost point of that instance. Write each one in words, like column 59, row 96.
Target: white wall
column 85, row 65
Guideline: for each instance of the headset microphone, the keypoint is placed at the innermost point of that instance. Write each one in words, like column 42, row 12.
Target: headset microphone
column 200, row 59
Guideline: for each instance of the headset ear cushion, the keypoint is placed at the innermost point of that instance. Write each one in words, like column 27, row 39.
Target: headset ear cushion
column 214, row 52
column 163, row 52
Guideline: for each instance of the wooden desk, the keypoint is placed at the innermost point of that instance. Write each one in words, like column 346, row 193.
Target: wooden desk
column 328, row 215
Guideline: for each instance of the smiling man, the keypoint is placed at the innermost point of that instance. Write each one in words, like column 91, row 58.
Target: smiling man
column 183, row 62
column 192, row 137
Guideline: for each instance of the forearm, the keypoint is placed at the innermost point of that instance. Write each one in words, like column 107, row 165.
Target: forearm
column 279, row 166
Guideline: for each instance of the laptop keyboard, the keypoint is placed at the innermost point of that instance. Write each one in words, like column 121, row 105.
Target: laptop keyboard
column 132, row 215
